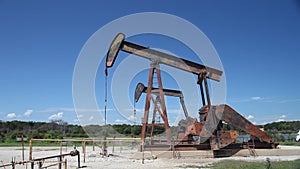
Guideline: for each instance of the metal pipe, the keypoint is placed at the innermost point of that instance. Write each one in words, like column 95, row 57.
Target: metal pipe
column 200, row 81
column 207, row 92
column 59, row 164
column 78, row 160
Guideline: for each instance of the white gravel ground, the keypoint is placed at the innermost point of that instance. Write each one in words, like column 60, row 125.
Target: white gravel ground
column 123, row 158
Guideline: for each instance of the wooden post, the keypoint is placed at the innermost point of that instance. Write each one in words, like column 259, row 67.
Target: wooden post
column 61, row 143
column 22, row 148
column 93, row 145
column 105, row 145
column 173, row 149
column 65, row 164
column 143, row 153
column 113, row 145
column 83, row 150
column 132, row 142
column 30, row 149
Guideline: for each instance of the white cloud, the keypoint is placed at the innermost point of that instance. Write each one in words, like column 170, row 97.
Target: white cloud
column 80, row 116
column 11, row 115
column 256, row 98
column 282, row 117
column 250, row 117
column 91, row 118
column 57, row 116
column 28, row 112
column 120, row 121
column 279, row 120
column 132, row 118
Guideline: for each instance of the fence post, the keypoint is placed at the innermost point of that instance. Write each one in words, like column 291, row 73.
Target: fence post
column 40, row 164
column 83, row 150
column 30, row 149
column 61, row 144
column 78, row 159
column 12, row 163
column 113, row 144
column 93, row 145
column 59, row 162
column 22, row 148
column 65, row 163
column 30, row 153
column 121, row 147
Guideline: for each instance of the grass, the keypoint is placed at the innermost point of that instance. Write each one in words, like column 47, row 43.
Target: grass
column 26, row 144
column 232, row 164
column 290, row 143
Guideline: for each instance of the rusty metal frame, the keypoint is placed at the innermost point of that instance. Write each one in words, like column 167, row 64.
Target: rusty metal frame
column 154, row 66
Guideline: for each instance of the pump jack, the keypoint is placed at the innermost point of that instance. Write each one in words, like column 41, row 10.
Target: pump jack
column 209, row 129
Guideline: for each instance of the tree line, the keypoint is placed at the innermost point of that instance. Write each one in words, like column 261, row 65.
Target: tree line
column 10, row 130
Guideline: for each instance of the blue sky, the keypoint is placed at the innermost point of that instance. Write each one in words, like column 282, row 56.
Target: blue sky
column 257, row 42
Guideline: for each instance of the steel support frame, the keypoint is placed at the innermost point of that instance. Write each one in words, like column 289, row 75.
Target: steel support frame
column 154, row 66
